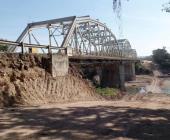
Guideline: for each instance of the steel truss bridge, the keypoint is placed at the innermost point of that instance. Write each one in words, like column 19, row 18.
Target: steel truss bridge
column 74, row 36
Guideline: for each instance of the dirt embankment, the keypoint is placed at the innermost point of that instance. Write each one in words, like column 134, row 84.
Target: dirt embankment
column 24, row 80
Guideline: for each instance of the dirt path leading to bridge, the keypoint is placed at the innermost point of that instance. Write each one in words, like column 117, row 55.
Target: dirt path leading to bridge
column 151, row 84
column 154, row 87
column 144, row 118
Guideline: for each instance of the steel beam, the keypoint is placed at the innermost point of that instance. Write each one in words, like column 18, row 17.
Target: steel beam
column 84, row 35
column 49, row 22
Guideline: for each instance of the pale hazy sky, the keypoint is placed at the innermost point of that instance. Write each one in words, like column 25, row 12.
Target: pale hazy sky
column 144, row 24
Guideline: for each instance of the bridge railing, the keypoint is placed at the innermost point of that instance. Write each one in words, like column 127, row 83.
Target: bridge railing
column 22, row 46
column 111, row 52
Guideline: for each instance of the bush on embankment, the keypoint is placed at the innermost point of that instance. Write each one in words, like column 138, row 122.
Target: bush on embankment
column 109, row 93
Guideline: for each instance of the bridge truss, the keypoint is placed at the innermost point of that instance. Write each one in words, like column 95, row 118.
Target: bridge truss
column 75, row 36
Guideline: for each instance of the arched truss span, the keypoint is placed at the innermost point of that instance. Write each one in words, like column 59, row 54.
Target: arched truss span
column 79, row 35
column 126, row 49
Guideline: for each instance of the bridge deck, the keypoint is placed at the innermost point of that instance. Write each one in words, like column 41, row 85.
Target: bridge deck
column 88, row 57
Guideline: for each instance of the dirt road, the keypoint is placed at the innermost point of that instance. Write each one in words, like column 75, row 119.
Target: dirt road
column 148, row 118
column 149, row 83
column 155, row 85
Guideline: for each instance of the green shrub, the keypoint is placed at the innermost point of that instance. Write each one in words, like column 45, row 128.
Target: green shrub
column 3, row 48
column 107, row 91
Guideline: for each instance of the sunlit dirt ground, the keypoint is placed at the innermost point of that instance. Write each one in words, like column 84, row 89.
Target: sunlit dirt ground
column 131, row 118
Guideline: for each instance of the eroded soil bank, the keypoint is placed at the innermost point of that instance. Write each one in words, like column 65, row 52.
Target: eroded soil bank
column 25, row 80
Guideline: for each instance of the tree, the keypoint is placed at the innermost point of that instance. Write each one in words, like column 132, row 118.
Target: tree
column 166, row 7
column 162, row 58
column 117, row 9
column 3, row 48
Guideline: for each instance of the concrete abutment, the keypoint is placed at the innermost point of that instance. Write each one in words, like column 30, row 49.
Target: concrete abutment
column 59, row 65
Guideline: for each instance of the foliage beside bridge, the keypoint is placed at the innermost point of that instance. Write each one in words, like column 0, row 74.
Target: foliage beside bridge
column 162, row 58
column 3, row 48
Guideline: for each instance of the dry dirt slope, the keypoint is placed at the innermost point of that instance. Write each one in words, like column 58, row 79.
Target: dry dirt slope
column 25, row 80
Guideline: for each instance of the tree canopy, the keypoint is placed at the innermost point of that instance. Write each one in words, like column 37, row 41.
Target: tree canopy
column 3, row 48
column 166, row 7
column 162, row 58
column 117, row 9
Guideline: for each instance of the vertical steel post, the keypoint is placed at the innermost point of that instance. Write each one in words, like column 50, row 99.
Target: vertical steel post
column 90, row 51
column 49, row 35
column 22, row 47
column 29, row 39
column 76, row 40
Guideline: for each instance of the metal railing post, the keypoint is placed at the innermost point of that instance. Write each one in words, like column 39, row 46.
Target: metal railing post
column 22, row 47
column 49, row 50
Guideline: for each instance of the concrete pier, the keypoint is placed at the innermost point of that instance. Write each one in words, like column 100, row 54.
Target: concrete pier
column 133, row 71
column 130, row 71
column 122, row 76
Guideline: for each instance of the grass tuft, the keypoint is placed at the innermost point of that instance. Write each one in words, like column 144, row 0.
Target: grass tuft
column 107, row 91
